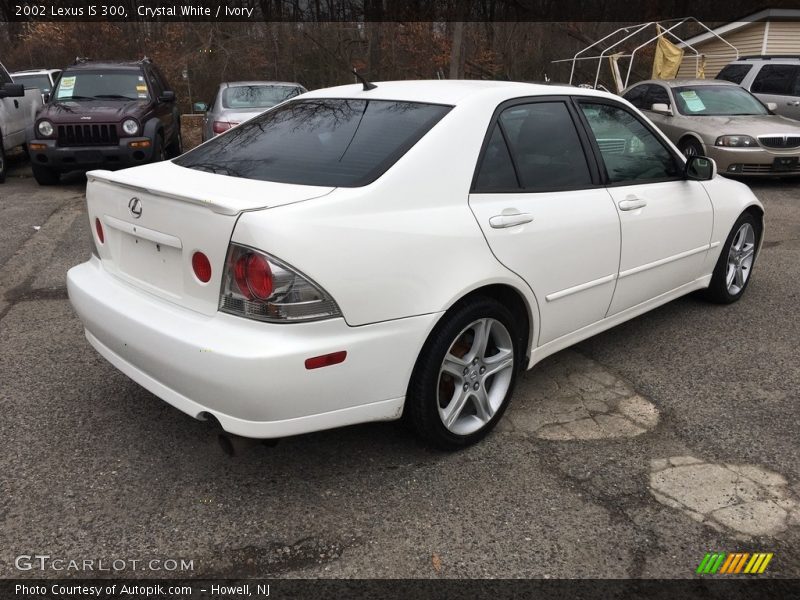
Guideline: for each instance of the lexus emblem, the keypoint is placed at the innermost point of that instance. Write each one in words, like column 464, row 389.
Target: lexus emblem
column 135, row 207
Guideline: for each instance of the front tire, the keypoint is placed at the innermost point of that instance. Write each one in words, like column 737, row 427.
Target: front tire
column 45, row 175
column 690, row 147
column 734, row 267
column 465, row 374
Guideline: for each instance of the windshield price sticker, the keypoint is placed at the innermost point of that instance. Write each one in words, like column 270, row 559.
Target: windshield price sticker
column 693, row 101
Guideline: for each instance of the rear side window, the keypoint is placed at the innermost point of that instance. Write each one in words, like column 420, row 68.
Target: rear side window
column 781, row 80
column 637, row 96
column 534, row 148
column 546, row 148
column 734, row 73
column 321, row 141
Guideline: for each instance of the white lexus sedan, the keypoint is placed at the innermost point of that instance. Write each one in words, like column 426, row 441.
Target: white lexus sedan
column 358, row 255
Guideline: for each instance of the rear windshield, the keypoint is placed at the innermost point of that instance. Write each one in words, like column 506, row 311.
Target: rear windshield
column 33, row 81
column 328, row 142
column 102, row 85
column 257, row 96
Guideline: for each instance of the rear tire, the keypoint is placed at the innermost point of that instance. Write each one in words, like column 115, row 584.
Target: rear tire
column 734, row 267
column 45, row 175
column 465, row 374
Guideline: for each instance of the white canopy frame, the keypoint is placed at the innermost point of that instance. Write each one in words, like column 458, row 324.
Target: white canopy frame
column 628, row 32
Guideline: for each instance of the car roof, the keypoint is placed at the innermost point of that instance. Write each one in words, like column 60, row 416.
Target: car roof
column 684, row 82
column 450, row 91
column 94, row 65
column 240, row 83
column 34, row 72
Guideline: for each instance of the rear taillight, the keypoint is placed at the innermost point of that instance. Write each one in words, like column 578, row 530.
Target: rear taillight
column 201, row 266
column 222, row 126
column 98, row 227
column 258, row 286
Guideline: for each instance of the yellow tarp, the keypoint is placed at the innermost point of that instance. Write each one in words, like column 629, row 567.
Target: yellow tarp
column 667, row 59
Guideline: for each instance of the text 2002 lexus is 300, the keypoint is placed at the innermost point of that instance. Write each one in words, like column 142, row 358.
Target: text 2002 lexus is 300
column 360, row 255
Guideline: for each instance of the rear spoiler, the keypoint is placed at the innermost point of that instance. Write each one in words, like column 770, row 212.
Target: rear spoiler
column 216, row 206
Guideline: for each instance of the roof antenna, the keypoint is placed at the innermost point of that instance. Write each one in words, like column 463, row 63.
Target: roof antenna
column 367, row 85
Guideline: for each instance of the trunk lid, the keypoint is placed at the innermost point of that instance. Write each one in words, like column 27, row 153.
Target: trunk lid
column 181, row 211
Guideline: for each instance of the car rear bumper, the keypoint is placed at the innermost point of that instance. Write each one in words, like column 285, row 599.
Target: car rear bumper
column 754, row 161
column 69, row 158
column 249, row 375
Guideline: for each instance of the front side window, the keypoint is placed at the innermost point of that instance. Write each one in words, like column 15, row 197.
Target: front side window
column 631, row 153
column 257, row 96
column 734, row 73
column 717, row 100
column 781, row 80
column 104, row 85
column 318, row 141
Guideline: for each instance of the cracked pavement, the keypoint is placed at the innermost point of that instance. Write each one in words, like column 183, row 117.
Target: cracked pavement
column 630, row 455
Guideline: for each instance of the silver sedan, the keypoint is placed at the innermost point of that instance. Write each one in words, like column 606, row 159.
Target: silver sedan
column 238, row 101
column 723, row 121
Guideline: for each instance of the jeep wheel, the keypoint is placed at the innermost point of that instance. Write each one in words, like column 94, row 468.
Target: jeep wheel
column 45, row 175
column 176, row 147
column 159, row 151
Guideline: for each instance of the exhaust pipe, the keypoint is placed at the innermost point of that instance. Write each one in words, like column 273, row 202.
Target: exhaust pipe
column 236, row 445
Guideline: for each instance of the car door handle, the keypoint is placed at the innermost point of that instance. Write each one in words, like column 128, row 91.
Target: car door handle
column 793, row 103
column 632, row 204
column 503, row 221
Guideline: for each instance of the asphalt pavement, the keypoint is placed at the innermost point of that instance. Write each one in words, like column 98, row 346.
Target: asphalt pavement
column 630, row 455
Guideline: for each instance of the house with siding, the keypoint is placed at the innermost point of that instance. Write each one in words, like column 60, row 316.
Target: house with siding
column 769, row 32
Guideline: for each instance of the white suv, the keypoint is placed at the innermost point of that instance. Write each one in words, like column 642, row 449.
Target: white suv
column 770, row 78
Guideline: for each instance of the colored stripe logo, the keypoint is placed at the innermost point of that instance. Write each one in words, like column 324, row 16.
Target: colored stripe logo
column 734, row 563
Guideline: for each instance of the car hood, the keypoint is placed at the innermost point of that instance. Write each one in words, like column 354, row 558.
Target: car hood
column 98, row 111
column 753, row 125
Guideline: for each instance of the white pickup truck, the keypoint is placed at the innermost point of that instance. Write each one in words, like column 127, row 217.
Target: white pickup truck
column 18, row 107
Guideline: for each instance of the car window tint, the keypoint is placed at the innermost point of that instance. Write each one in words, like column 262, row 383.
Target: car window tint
column 545, row 145
column 631, row 153
column 734, row 73
column 4, row 77
column 782, row 80
column 496, row 171
column 637, row 96
column 318, row 141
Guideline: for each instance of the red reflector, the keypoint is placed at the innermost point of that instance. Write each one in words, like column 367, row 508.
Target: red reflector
column 98, row 227
column 326, row 360
column 221, row 126
column 201, row 266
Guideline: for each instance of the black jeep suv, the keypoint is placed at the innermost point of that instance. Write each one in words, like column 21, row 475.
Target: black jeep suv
column 105, row 115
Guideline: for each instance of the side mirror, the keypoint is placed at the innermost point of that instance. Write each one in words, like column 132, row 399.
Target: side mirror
column 200, row 107
column 167, row 96
column 700, row 168
column 771, row 106
column 12, row 90
column 661, row 108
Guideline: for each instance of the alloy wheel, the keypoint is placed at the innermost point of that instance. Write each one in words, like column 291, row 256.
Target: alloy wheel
column 740, row 259
column 475, row 376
